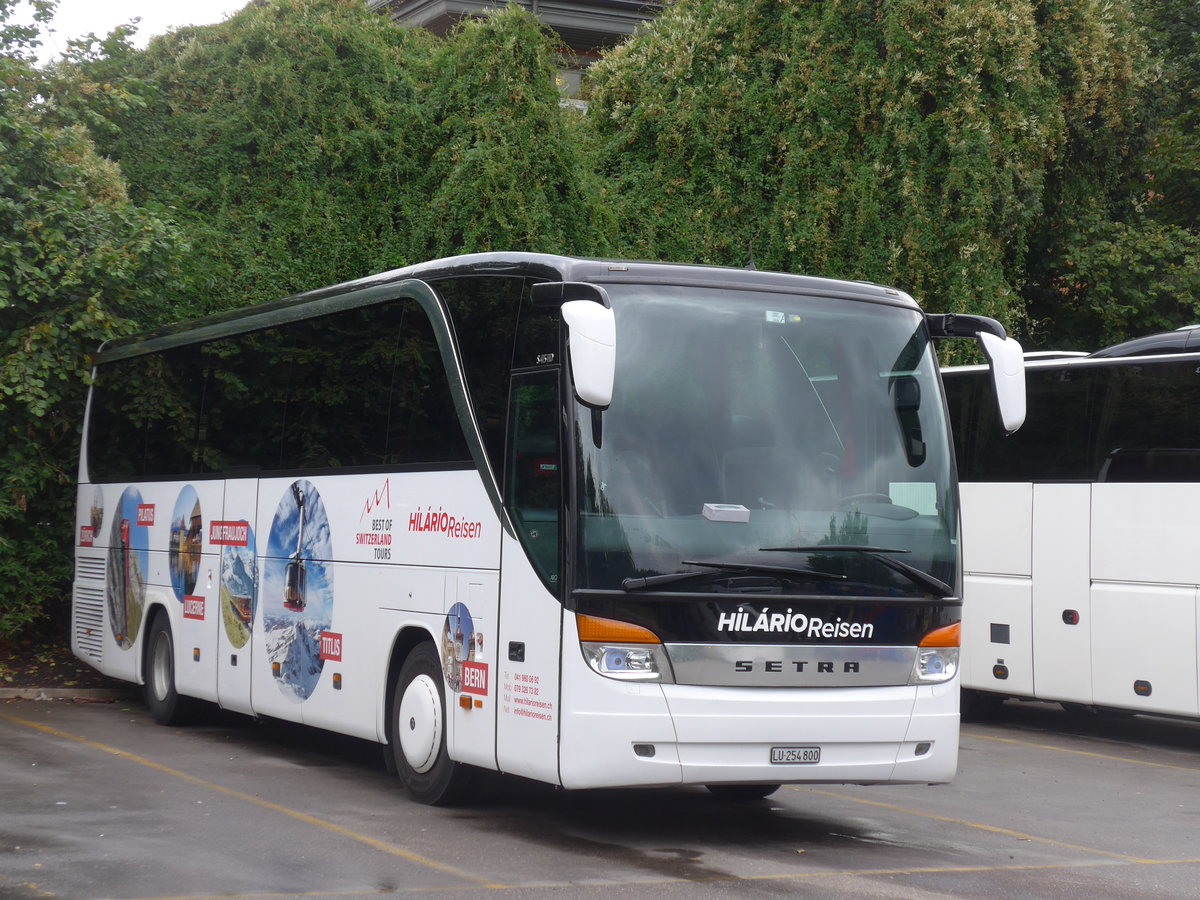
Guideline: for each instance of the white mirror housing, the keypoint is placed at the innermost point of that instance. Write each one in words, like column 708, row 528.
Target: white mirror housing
column 1007, row 363
column 592, row 342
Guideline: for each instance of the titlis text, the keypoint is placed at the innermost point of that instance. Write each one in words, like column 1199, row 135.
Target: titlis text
column 789, row 622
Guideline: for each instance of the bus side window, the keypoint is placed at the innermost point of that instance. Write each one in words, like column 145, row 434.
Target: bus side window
column 361, row 387
column 1054, row 443
column 533, row 486
column 146, row 418
column 484, row 309
column 1150, row 430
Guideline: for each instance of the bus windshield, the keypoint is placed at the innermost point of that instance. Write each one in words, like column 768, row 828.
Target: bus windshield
column 767, row 442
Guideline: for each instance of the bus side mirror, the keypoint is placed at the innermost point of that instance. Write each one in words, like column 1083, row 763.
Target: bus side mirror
column 1006, row 360
column 1007, row 363
column 592, row 341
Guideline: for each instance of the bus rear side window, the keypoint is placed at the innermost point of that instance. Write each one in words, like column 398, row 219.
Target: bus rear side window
column 360, row 388
column 145, row 417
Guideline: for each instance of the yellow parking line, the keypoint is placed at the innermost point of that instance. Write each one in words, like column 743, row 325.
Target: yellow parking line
column 871, row 873
column 269, row 896
column 374, row 843
column 325, row 895
column 994, row 829
column 1104, row 756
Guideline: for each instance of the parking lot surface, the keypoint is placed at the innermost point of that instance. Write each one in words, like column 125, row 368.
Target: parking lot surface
column 96, row 801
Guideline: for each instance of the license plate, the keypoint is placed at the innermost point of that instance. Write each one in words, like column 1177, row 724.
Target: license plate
column 796, row 755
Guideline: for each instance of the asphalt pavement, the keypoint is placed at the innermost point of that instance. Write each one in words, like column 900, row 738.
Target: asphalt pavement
column 98, row 802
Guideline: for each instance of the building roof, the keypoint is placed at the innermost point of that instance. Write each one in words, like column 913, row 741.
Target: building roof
column 584, row 25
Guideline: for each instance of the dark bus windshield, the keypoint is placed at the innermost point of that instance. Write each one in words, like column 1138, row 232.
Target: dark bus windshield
column 796, row 436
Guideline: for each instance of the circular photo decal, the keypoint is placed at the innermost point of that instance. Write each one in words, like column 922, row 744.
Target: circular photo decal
column 187, row 538
column 458, row 644
column 239, row 589
column 297, row 589
column 128, row 561
column 97, row 511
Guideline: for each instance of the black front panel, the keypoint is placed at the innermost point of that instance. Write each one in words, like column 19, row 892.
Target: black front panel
column 731, row 618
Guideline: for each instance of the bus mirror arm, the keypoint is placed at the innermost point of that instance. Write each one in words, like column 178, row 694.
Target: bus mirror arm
column 552, row 294
column 1006, row 360
column 961, row 325
column 592, row 343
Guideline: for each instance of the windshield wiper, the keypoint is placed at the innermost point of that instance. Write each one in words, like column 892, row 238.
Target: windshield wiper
column 713, row 567
column 915, row 575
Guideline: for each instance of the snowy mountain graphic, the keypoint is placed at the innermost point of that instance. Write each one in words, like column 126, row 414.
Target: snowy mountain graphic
column 297, row 648
column 237, row 571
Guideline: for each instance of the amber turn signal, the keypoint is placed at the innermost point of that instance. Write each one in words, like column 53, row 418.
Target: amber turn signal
column 946, row 636
column 596, row 630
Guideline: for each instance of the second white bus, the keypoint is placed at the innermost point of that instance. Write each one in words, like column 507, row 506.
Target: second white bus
column 1081, row 531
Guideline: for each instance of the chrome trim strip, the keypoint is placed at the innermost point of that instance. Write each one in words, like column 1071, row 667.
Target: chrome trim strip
column 766, row 665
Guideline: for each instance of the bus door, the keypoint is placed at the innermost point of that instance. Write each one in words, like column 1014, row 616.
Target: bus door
column 235, row 539
column 530, row 639
column 1062, row 592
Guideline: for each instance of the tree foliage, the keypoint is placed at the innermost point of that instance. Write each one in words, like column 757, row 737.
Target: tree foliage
column 286, row 139
column 78, row 263
column 907, row 142
column 1173, row 33
column 1105, row 257
column 505, row 171
column 306, row 142
column 1115, row 280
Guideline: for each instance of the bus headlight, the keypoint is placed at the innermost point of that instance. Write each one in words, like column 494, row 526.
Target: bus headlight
column 935, row 665
column 937, row 656
column 622, row 650
column 631, row 663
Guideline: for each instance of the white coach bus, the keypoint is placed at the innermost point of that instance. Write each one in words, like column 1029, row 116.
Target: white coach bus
column 1081, row 531
column 588, row 522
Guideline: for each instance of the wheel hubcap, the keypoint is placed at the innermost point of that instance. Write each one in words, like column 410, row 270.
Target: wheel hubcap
column 161, row 661
column 420, row 722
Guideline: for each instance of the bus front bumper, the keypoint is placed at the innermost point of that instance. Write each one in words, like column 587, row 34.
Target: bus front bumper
column 649, row 735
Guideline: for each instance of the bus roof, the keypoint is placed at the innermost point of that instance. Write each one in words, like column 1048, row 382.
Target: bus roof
column 537, row 266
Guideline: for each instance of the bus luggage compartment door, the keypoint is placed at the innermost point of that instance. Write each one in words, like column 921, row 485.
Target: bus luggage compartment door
column 469, row 640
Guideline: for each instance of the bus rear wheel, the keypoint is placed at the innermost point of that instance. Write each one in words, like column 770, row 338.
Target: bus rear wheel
column 418, row 732
column 158, row 687
column 742, row 791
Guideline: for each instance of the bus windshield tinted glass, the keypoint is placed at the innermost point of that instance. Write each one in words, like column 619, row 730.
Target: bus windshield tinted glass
column 754, row 429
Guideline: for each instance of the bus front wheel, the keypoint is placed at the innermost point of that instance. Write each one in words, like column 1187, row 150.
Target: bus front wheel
column 158, row 688
column 419, row 732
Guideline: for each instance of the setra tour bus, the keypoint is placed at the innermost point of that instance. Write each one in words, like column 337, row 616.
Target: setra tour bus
column 592, row 523
column 1082, row 576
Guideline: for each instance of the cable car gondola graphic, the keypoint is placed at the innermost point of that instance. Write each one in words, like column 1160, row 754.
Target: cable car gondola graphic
column 121, row 600
column 296, row 576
